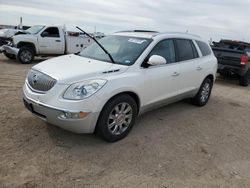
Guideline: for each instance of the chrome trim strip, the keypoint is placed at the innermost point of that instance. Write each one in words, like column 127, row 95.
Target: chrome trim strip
column 50, row 106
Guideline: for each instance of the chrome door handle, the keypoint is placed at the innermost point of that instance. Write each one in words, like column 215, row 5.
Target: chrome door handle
column 58, row 40
column 198, row 68
column 175, row 74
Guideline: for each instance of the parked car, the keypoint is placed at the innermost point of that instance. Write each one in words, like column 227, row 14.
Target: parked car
column 107, row 85
column 44, row 41
column 233, row 58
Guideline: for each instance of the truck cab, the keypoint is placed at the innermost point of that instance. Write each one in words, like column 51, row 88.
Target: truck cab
column 44, row 41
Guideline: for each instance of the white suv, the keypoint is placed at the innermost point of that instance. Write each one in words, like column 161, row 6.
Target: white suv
column 106, row 86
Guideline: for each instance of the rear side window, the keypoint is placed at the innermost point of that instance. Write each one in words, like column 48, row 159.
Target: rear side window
column 165, row 49
column 186, row 50
column 205, row 50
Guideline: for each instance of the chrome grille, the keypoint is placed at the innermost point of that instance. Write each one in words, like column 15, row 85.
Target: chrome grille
column 40, row 82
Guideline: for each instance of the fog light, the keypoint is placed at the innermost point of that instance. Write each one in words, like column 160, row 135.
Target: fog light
column 73, row 115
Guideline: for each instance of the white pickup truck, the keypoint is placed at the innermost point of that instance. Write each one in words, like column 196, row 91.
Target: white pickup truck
column 44, row 41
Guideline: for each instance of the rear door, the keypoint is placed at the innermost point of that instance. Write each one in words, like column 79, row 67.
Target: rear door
column 51, row 41
column 190, row 67
column 162, row 81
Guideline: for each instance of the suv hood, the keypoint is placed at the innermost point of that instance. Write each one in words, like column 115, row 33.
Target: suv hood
column 69, row 69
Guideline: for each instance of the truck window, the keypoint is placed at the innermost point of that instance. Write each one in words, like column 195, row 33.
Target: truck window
column 205, row 50
column 52, row 32
column 186, row 49
column 165, row 49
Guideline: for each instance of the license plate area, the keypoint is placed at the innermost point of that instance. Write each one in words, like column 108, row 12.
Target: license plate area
column 30, row 107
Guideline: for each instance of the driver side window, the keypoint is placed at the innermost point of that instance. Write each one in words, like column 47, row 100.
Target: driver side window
column 51, row 32
column 165, row 49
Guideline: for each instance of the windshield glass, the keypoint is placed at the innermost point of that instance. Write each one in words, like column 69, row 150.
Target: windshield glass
column 124, row 49
column 35, row 29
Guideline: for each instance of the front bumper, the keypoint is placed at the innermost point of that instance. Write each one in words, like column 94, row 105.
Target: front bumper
column 55, row 116
column 8, row 49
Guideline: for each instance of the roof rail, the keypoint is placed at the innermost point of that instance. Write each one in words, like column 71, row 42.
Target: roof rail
column 182, row 33
column 138, row 31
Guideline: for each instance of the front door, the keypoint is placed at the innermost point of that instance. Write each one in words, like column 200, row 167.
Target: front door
column 161, row 82
column 50, row 41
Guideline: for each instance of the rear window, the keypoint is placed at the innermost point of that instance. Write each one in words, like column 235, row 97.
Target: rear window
column 205, row 50
column 186, row 50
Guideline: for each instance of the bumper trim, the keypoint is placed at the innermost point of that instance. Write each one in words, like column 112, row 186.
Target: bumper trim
column 49, row 106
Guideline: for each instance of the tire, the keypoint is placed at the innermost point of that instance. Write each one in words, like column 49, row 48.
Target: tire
column 204, row 93
column 245, row 80
column 117, row 118
column 25, row 55
column 10, row 56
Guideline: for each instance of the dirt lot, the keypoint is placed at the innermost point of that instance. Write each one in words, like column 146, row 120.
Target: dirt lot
column 176, row 146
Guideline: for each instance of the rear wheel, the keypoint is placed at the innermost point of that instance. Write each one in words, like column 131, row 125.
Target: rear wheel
column 25, row 55
column 10, row 56
column 204, row 93
column 117, row 118
column 245, row 80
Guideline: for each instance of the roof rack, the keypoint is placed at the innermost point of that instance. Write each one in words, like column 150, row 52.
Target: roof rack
column 182, row 33
column 138, row 31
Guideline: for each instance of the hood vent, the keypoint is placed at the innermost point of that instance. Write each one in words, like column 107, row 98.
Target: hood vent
column 111, row 71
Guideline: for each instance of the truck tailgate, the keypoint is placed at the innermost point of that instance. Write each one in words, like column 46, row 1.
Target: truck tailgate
column 228, row 56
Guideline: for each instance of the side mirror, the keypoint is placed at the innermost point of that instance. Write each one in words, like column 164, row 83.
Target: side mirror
column 44, row 34
column 157, row 60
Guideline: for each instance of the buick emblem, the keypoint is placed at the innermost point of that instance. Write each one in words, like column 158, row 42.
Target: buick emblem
column 35, row 79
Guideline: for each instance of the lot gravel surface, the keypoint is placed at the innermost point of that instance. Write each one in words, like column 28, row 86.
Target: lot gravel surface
column 177, row 146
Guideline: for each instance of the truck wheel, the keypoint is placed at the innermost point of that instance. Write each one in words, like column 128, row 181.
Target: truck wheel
column 117, row 118
column 25, row 55
column 204, row 93
column 10, row 56
column 245, row 80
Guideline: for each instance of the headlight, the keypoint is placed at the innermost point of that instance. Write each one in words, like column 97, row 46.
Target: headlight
column 82, row 90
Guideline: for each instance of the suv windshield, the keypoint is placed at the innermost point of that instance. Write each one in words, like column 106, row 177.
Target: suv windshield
column 124, row 49
column 34, row 29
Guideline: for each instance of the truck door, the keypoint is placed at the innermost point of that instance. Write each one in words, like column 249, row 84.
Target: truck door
column 51, row 41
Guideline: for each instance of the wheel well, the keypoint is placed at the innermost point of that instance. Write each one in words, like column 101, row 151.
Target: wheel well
column 131, row 94
column 211, row 77
column 28, row 44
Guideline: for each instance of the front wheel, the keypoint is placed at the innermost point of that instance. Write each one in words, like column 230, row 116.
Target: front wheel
column 117, row 118
column 204, row 93
column 25, row 55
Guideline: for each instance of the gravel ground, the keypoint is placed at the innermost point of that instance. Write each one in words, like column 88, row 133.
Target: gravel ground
column 177, row 146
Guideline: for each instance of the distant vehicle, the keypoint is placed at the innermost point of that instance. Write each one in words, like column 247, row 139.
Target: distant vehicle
column 44, row 41
column 233, row 58
column 109, row 83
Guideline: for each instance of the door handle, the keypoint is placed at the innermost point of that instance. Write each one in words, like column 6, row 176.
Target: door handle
column 198, row 68
column 175, row 74
column 58, row 40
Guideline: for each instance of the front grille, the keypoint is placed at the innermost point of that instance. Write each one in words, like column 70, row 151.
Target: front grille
column 40, row 82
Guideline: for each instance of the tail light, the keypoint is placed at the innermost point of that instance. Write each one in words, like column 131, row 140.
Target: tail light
column 244, row 59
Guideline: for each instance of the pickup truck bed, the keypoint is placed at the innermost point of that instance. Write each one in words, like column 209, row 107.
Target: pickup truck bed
column 233, row 58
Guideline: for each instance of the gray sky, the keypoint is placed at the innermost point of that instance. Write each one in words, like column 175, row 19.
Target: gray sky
column 207, row 18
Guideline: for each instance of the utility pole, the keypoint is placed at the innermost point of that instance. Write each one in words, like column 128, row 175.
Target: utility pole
column 21, row 23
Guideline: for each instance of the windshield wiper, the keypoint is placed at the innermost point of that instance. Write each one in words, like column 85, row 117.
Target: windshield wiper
column 85, row 33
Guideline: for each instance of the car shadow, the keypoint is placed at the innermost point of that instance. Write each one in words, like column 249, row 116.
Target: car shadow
column 228, row 80
column 16, row 62
column 69, row 140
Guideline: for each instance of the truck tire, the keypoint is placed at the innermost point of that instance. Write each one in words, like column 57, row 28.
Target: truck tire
column 25, row 55
column 204, row 93
column 10, row 56
column 117, row 118
column 245, row 80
